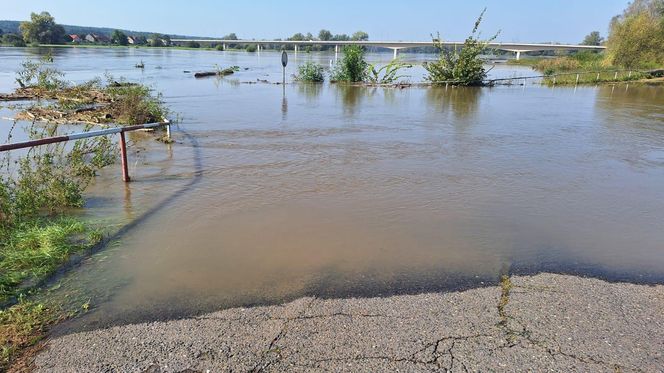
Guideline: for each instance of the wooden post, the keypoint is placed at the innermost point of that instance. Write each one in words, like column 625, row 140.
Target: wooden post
column 123, row 154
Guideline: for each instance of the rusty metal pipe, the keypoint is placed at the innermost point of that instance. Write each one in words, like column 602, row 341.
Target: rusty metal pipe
column 85, row 135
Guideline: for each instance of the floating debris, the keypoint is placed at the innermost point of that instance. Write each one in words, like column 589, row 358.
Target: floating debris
column 219, row 72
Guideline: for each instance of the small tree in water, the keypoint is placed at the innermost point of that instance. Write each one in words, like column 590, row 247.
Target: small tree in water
column 460, row 68
column 353, row 66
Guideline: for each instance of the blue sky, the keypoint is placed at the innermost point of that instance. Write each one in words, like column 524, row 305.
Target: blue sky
column 518, row 20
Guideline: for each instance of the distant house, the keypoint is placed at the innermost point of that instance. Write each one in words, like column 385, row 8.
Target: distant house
column 94, row 38
column 75, row 38
column 131, row 40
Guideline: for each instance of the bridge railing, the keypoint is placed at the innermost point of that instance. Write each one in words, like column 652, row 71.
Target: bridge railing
column 84, row 135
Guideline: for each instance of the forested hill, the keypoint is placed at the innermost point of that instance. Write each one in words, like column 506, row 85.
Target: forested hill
column 13, row 27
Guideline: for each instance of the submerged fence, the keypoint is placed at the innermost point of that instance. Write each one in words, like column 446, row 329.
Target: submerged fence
column 614, row 76
column 85, row 135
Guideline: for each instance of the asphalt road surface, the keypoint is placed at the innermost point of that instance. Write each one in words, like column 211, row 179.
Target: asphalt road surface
column 541, row 323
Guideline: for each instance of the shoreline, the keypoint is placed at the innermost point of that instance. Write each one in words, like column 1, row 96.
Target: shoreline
column 543, row 322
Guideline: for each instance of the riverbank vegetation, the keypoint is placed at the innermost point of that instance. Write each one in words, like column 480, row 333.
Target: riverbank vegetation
column 37, row 191
column 56, row 100
column 635, row 50
column 41, row 188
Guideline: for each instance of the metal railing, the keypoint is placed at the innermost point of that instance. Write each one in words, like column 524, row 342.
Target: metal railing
column 553, row 77
column 85, row 135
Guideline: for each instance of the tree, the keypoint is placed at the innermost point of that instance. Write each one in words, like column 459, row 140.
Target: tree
column 594, row 38
column 297, row 37
column 341, row 37
column 119, row 37
column 140, row 40
column 360, row 36
column 13, row 40
column 42, row 29
column 159, row 40
column 324, row 35
column 193, row 44
column 230, row 36
column 1, row 32
column 636, row 37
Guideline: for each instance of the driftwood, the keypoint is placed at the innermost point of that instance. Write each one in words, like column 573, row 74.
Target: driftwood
column 15, row 97
column 224, row 72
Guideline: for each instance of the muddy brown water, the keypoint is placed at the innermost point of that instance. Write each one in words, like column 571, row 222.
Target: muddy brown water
column 274, row 192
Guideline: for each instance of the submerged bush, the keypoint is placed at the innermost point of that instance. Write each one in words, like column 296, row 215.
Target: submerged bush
column 39, row 74
column 461, row 68
column 135, row 104
column 251, row 48
column 387, row 74
column 353, row 66
column 310, row 72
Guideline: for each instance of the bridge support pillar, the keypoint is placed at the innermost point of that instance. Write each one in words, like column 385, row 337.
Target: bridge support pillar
column 296, row 48
column 518, row 55
column 396, row 53
column 336, row 53
column 225, row 46
column 258, row 48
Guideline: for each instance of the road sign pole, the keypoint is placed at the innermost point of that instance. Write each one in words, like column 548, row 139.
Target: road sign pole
column 284, row 63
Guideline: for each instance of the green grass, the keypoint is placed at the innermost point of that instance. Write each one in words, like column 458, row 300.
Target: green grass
column 34, row 250
column 29, row 253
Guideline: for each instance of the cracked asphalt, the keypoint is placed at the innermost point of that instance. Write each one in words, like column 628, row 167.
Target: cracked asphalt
column 546, row 322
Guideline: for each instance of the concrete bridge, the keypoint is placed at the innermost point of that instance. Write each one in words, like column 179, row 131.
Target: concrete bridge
column 396, row 46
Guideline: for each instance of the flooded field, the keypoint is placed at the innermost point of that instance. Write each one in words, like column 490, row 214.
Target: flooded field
column 274, row 192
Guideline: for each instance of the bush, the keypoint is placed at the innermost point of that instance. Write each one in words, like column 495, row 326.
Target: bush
column 251, row 48
column 310, row 72
column 460, row 68
column 353, row 66
column 219, row 47
column 38, row 74
column 134, row 104
column 192, row 44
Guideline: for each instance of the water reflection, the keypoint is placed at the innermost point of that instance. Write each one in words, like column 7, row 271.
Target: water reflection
column 351, row 97
column 311, row 91
column 462, row 102
column 284, row 103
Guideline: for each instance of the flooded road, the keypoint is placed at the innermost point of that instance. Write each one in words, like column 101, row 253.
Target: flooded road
column 273, row 192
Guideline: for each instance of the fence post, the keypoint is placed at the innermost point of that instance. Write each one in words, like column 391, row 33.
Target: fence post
column 123, row 155
column 616, row 76
column 554, row 79
column 598, row 77
column 630, row 74
column 577, row 78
